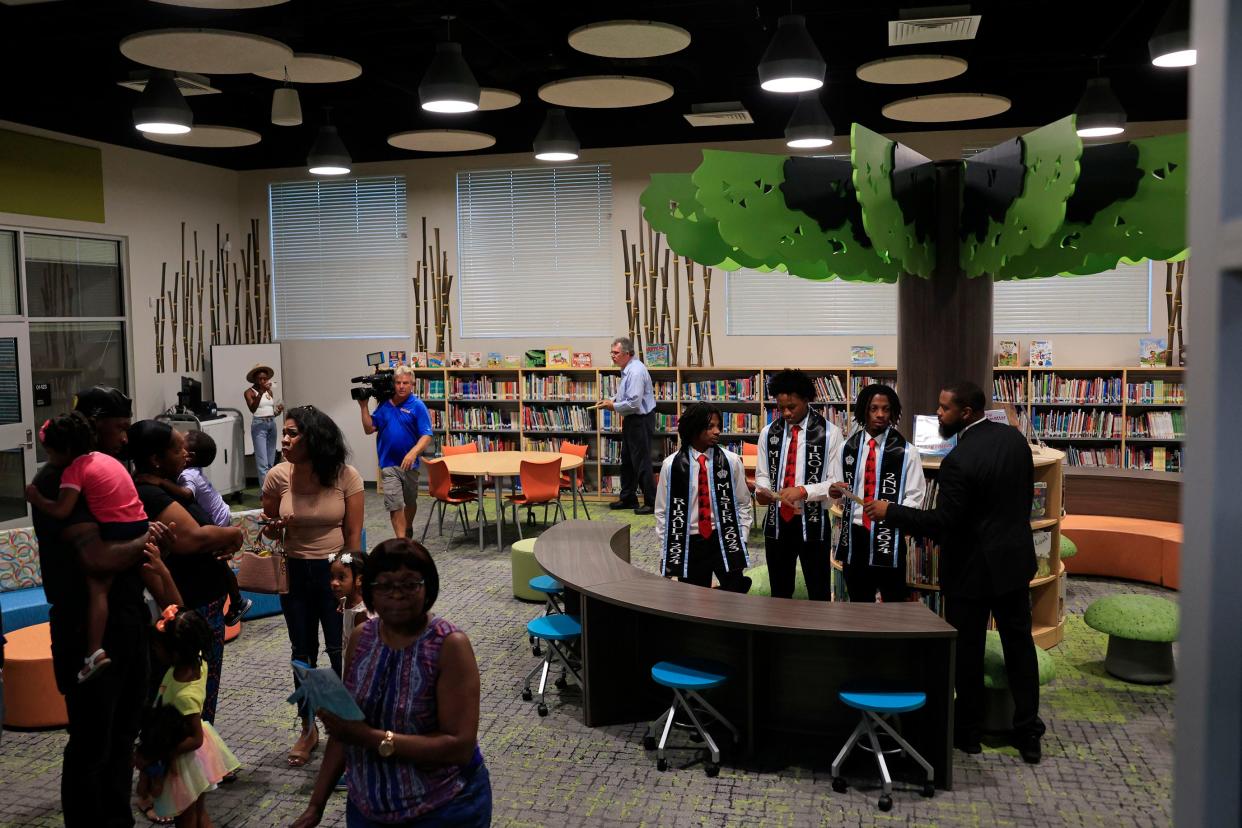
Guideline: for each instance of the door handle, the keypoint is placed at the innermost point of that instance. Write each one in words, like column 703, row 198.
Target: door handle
column 29, row 443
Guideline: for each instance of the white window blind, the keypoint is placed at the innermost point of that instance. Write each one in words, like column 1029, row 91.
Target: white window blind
column 339, row 259
column 534, row 249
column 777, row 304
column 1115, row 301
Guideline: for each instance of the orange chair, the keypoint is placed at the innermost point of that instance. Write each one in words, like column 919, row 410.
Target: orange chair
column 750, row 450
column 30, row 695
column 440, row 487
column 576, row 486
column 541, row 484
column 461, row 481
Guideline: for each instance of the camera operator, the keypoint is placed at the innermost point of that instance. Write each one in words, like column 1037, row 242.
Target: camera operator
column 404, row 428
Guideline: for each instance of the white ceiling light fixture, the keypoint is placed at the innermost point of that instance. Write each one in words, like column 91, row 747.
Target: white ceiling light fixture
column 809, row 127
column 1170, row 44
column 161, row 108
column 328, row 155
column 792, row 63
column 286, row 105
column 1099, row 114
column 448, row 85
column 556, row 140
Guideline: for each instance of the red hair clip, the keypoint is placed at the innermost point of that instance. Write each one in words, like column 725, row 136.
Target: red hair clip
column 43, row 430
column 169, row 613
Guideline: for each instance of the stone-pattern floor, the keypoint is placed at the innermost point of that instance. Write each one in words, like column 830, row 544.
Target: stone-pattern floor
column 1107, row 754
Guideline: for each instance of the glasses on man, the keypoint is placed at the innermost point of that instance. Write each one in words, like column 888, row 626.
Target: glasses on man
column 391, row 588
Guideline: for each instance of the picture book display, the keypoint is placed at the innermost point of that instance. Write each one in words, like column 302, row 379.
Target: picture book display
column 1041, row 353
column 1007, row 354
column 435, row 359
column 536, row 358
column 475, row 359
column 396, row 358
column 658, row 355
column 580, row 359
column 557, row 357
column 495, row 359
column 862, row 355
column 457, row 359
column 1152, row 352
column 418, row 359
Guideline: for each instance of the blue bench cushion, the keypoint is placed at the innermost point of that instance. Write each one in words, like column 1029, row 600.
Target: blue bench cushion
column 23, row 608
column 555, row 627
column 689, row 675
column 546, row 583
column 265, row 604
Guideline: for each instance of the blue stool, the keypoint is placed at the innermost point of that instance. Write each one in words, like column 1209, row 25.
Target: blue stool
column 877, row 708
column 561, row 632
column 552, row 590
column 687, row 678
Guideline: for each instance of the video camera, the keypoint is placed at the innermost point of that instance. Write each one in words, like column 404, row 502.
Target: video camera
column 378, row 385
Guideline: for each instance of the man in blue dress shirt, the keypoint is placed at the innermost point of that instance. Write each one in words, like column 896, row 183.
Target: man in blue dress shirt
column 635, row 402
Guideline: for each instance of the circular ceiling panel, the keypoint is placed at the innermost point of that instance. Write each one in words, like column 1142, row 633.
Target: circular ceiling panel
column 912, row 69
column 206, row 135
column 441, row 140
column 221, row 4
column 629, row 39
column 492, row 98
column 946, row 107
column 305, row 68
column 605, row 91
column 206, row 51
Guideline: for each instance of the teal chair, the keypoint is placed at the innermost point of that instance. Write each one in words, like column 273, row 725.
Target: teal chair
column 877, row 708
column 687, row 679
column 561, row 633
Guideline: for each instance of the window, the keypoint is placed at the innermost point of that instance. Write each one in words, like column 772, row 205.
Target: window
column 10, row 301
column 339, row 259
column 1115, row 301
column 767, row 304
column 534, row 248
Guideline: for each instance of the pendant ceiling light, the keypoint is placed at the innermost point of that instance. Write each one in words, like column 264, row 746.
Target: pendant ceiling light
column 809, row 127
column 286, row 105
column 162, row 108
column 449, row 85
column 1170, row 45
column 792, row 63
column 556, row 140
column 1099, row 112
column 328, row 155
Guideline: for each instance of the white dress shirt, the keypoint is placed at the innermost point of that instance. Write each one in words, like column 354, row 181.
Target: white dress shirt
column 915, row 483
column 831, row 474
column 741, row 494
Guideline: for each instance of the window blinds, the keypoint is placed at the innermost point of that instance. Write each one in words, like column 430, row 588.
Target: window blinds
column 1115, row 301
column 339, row 259
column 534, row 250
column 767, row 304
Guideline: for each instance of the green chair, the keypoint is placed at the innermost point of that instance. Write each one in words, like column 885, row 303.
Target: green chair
column 761, row 584
column 1068, row 548
column 522, row 562
column 1141, row 630
column 997, row 700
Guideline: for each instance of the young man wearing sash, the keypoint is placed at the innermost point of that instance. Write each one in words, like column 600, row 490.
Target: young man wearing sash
column 878, row 463
column 799, row 459
column 702, row 507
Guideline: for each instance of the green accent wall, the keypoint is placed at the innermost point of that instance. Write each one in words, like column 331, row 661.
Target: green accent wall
column 45, row 177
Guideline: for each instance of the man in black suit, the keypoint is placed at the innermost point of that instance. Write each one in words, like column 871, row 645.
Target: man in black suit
column 987, row 559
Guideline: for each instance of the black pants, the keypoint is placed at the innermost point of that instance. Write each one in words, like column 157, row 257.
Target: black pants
column 705, row 561
column 308, row 605
column 863, row 580
column 636, row 434
column 969, row 616
column 783, row 554
column 104, row 717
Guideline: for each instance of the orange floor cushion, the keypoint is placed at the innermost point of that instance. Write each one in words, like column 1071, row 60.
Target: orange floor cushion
column 30, row 695
column 1130, row 548
column 231, row 632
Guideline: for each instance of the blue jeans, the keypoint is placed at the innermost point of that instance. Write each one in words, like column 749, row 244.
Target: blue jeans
column 471, row 808
column 308, row 605
column 263, row 434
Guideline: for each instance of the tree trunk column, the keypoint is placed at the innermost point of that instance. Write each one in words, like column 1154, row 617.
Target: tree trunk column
column 945, row 322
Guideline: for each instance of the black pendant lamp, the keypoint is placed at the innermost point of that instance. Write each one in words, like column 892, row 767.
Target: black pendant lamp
column 792, row 63
column 449, row 85
column 809, row 127
column 162, row 108
column 1170, row 45
column 556, row 140
column 328, row 155
column 1099, row 112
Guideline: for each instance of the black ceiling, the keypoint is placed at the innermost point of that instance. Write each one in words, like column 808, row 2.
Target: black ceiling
column 61, row 64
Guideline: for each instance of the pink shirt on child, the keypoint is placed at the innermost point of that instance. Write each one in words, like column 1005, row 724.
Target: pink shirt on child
column 109, row 490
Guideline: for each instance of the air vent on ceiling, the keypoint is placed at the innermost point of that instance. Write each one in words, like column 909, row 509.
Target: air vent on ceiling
column 189, row 83
column 950, row 25
column 730, row 113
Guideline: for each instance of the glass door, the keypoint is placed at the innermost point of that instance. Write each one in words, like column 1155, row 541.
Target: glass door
column 17, row 455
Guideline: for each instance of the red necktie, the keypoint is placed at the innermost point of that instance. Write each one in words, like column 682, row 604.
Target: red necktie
column 869, row 480
column 791, row 468
column 705, row 500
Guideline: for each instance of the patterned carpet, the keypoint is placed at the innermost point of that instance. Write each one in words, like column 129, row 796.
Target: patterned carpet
column 1107, row 754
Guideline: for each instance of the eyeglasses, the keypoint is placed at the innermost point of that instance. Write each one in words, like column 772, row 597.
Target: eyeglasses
column 391, row 588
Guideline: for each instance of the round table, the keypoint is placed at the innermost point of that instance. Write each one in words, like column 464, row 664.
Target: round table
column 506, row 464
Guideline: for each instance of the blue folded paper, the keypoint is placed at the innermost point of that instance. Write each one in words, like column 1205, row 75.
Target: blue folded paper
column 320, row 688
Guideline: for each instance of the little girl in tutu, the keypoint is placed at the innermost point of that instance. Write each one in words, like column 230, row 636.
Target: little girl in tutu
column 201, row 759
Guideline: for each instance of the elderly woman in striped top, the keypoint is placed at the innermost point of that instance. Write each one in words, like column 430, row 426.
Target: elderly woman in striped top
column 414, row 759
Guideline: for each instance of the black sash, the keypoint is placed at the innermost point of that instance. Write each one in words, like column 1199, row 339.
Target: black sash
column 890, row 481
column 813, row 443
column 676, row 557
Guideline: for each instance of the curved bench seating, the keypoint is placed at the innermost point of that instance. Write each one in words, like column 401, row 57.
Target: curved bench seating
column 30, row 695
column 1122, row 547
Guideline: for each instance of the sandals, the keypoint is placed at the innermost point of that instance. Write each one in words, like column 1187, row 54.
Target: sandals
column 95, row 662
column 300, row 753
column 156, row 819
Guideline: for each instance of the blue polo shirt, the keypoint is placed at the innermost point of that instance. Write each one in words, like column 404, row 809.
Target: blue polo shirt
column 399, row 428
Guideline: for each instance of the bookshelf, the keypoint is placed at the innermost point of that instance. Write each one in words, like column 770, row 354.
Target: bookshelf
column 1116, row 418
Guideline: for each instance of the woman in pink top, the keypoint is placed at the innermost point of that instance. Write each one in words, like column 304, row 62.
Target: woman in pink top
column 113, row 500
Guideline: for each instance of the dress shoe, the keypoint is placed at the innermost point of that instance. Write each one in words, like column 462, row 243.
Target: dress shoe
column 966, row 745
column 623, row 504
column 644, row 510
column 1029, row 749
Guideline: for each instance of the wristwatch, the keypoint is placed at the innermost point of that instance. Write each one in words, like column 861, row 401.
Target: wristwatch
column 387, row 747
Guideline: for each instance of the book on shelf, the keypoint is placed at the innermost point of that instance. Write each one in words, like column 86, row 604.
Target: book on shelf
column 535, row 358
column 862, row 355
column 435, row 359
column 396, row 358
column 658, row 355
column 860, row 381
column 483, row 387
column 1007, row 354
column 1009, row 388
column 1152, row 352
column 928, row 439
column 557, row 387
column 1053, row 388
column 1081, row 423
column 1043, row 552
column 610, row 484
column 580, row 359
column 1156, row 392
column 557, row 356
column 1157, row 425
column 474, row 359
column 1097, row 458
column 1153, row 458
column 1041, row 353
column 418, row 359
column 557, row 418
column 741, row 389
column 486, row 442
column 457, row 359
column 428, row 389
column 482, row 418
column 1039, row 500
column 829, row 389
column 495, row 359
column 512, row 361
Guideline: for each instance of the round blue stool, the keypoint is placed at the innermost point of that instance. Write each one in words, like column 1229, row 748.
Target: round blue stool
column 686, row 679
column 561, row 632
column 552, row 590
column 877, row 707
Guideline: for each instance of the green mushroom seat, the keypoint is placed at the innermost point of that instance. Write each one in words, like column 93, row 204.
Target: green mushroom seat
column 524, row 566
column 761, row 583
column 997, row 700
column 1141, row 630
column 1068, row 548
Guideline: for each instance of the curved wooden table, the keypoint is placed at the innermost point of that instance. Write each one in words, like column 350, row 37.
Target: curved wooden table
column 789, row 658
column 504, row 464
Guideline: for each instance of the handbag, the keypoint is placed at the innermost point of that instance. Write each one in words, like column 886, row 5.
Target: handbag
column 263, row 569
